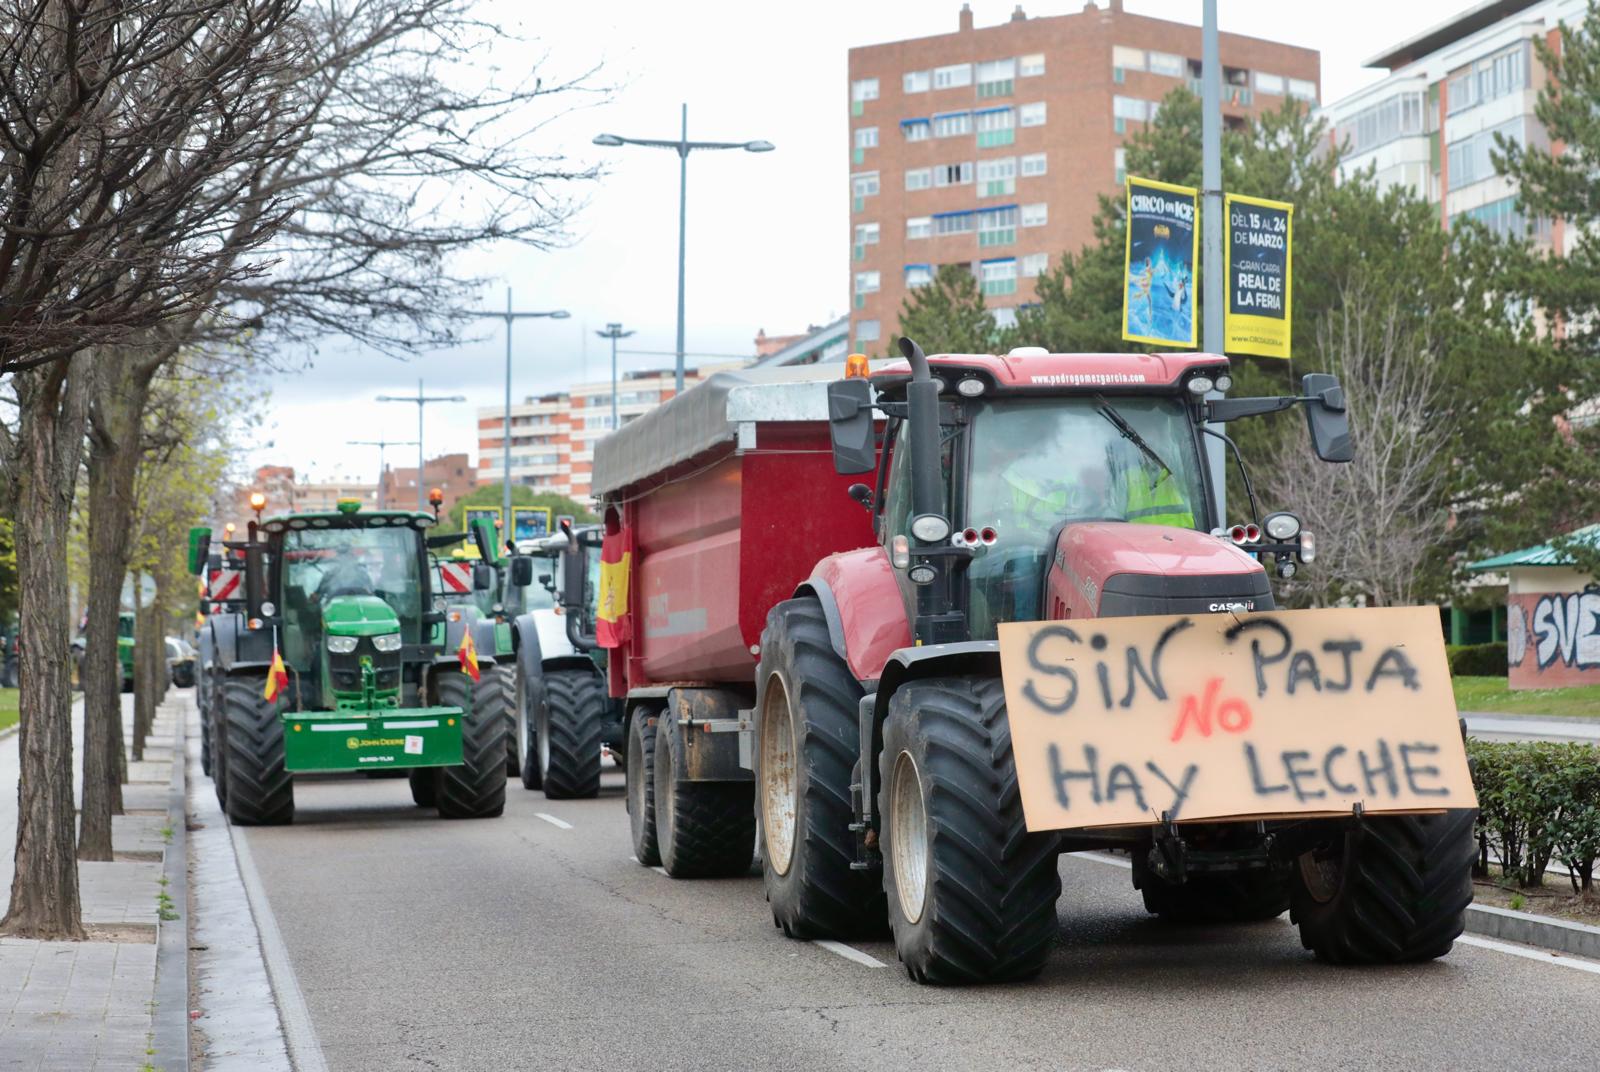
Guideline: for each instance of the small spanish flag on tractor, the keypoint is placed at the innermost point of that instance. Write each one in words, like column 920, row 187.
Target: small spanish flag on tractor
column 277, row 677
column 613, row 625
column 468, row 654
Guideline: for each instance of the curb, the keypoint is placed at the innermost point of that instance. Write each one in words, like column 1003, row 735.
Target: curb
column 1523, row 716
column 1557, row 935
column 170, row 1018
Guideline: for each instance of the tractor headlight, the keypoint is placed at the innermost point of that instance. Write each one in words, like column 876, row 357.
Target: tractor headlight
column 387, row 642
column 342, row 645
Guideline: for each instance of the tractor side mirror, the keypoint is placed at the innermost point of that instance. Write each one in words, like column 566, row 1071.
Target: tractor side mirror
column 199, row 547
column 574, row 578
column 850, row 426
column 205, row 606
column 521, row 571
column 1327, row 417
column 482, row 576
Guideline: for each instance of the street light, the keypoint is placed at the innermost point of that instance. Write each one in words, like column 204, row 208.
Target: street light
column 614, row 332
column 506, row 529
column 381, row 444
column 421, row 401
column 683, row 147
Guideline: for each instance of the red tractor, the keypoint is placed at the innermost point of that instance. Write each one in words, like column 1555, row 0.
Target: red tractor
column 870, row 740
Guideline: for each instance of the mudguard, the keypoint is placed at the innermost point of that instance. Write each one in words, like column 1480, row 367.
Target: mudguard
column 483, row 637
column 866, row 613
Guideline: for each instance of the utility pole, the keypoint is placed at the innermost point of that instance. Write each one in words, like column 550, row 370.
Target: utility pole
column 381, row 444
column 1212, row 269
column 615, row 332
column 421, row 401
column 506, row 529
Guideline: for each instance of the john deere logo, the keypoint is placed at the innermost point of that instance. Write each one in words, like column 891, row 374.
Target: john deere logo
column 352, row 742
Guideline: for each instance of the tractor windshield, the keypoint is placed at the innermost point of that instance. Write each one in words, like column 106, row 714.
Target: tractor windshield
column 1038, row 462
column 322, row 564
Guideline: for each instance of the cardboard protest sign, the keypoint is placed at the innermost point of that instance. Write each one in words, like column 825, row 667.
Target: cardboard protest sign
column 1117, row 721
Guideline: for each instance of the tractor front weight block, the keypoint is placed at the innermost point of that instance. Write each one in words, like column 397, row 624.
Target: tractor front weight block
column 347, row 741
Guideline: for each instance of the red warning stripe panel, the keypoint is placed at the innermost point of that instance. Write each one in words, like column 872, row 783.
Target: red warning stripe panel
column 455, row 577
column 225, row 584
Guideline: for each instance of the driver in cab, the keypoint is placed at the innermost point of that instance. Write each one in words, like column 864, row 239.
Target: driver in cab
column 345, row 576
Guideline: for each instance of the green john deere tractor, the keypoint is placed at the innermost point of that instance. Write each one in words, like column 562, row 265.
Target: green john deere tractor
column 344, row 601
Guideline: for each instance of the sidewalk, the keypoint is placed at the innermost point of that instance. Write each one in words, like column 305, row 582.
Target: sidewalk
column 1490, row 726
column 86, row 1006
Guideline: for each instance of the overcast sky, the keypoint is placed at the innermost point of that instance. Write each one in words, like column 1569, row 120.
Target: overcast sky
column 768, row 233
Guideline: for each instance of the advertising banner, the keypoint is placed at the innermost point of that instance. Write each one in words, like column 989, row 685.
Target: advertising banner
column 531, row 522
column 1260, row 266
column 1120, row 721
column 1158, row 270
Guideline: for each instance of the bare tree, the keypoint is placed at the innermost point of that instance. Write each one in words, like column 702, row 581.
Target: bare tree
column 1377, row 516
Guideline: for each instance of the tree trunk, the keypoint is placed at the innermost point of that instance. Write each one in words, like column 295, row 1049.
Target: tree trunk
column 44, row 891
column 121, row 389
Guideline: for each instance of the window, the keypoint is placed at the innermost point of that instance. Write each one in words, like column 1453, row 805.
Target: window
column 996, row 127
column 919, row 227
column 1004, row 318
column 1469, row 160
column 1490, row 78
column 864, row 184
column 997, row 226
column 1129, row 59
column 1033, row 164
column 866, row 282
column 866, row 234
column 1130, row 108
column 868, row 331
column 1168, row 64
column 1031, row 115
column 918, row 275
column 999, row 277
column 1031, row 66
column 1035, row 265
column 1035, row 215
column 916, row 81
column 1300, row 89
column 950, row 223
column 864, row 89
column 919, row 178
column 952, row 77
column 997, row 177
column 866, row 137
column 1122, row 166
column 952, row 124
column 1269, row 83
column 915, row 129
column 995, row 78
column 952, row 174
column 1398, row 117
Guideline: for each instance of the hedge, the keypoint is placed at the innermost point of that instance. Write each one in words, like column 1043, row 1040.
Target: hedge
column 1538, row 801
column 1476, row 660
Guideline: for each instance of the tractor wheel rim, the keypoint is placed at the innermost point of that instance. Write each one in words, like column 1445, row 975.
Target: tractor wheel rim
column 780, row 803
column 522, row 722
column 908, row 836
column 1321, row 876
column 543, row 743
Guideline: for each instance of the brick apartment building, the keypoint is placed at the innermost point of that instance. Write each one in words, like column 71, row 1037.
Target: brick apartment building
column 450, row 473
column 989, row 147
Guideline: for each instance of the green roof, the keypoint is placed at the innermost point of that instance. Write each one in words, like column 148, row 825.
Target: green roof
column 1543, row 555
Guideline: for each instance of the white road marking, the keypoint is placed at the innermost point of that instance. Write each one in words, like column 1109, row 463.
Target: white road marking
column 1098, row 858
column 849, row 953
column 658, row 869
column 553, row 821
column 1541, row 955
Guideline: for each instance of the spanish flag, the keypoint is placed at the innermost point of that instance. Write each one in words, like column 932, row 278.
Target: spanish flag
column 614, row 625
column 468, row 654
column 277, row 677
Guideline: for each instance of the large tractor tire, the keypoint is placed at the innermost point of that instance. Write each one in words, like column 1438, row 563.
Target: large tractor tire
column 527, row 697
column 502, row 677
column 567, row 733
column 424, row 786
column 971, row 893
column 219, row 745
column 703, row 829
column 477, row 788
column 641, row 798
column 1227, row 898
column 260, row 789
column 807, row 747
column 1394, row 888
column 205, row 733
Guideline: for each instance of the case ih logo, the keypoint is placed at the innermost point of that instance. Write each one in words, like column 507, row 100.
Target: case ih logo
column 455, row 577
column 224, row 584
column 1225, row 608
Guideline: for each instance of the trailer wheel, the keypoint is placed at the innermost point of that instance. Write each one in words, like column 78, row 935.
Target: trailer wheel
column 641, row 798
column 477, row 788
column 567, row 733
column 503, row 679
column 1239, row 898
column 971, row 893
column 808, row 742
column 205, row 733
column 424, row 786
column 703, row 829
column 527, row 748
column 260, row 789
column 1393, row 888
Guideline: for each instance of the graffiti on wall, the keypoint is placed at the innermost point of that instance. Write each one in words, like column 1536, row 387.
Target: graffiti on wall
column 1556, row 633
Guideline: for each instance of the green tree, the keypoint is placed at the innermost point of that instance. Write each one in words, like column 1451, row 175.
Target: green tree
column 948, row 315
column 494, row 495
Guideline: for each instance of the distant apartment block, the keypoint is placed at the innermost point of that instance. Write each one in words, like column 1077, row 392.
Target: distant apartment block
column 1431, row 124
column 989, row 147
column 451, row 473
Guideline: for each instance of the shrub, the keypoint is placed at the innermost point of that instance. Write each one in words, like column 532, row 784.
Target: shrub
column 1538, row 801
column 1476, row 660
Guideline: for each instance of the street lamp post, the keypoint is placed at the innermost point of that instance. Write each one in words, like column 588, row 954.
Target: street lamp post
column 614, row 332
column 683, row 147
column 381, row 444
column 421, row 401
column 506, row 530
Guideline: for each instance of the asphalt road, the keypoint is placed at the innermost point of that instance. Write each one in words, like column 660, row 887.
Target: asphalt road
column 522, row 943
